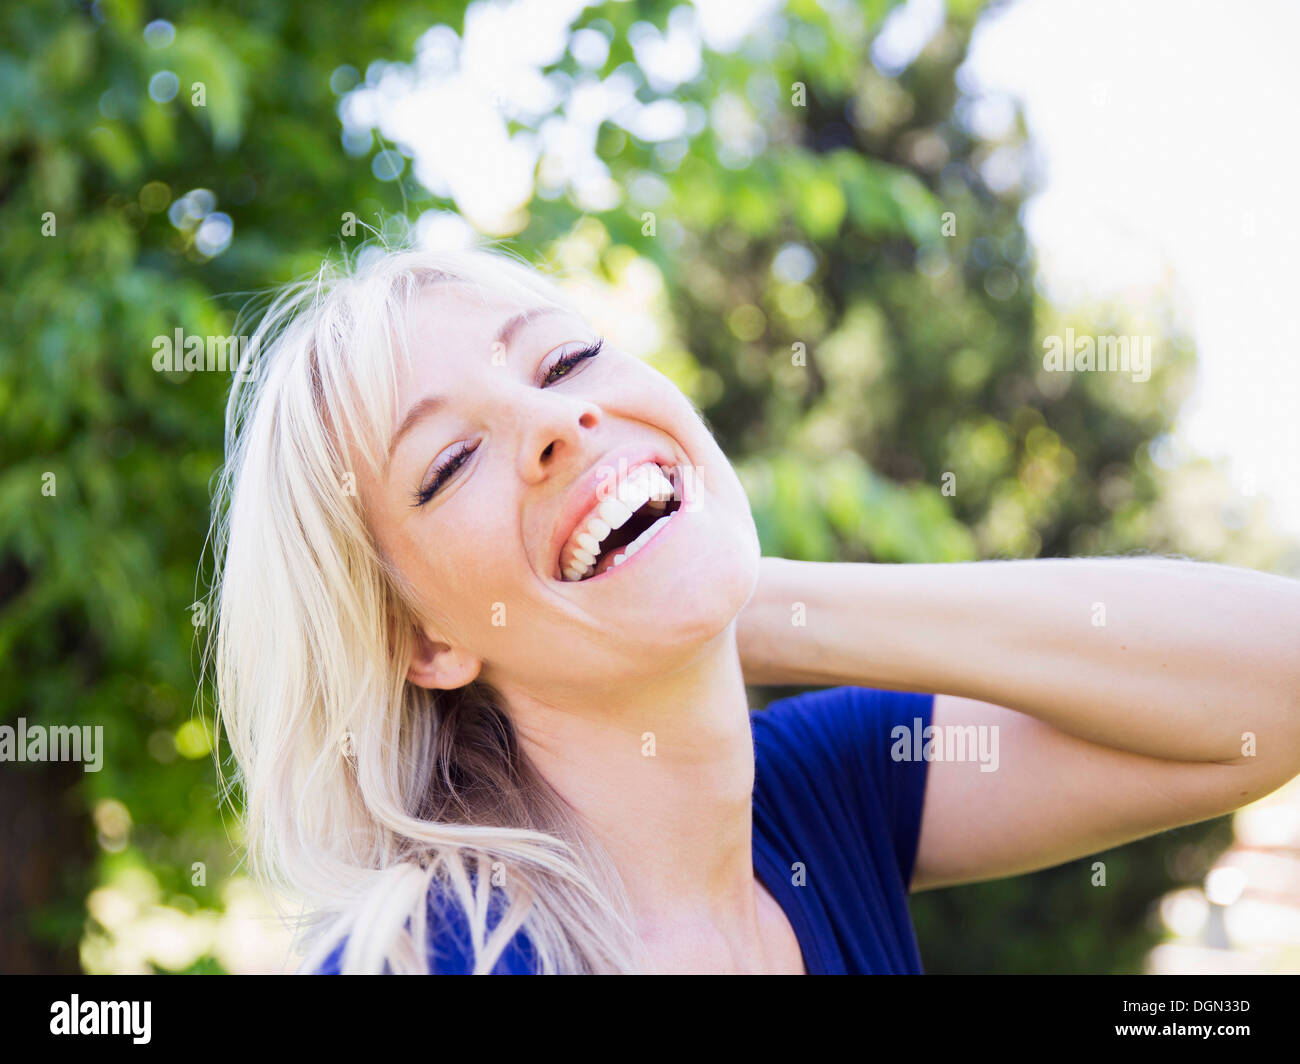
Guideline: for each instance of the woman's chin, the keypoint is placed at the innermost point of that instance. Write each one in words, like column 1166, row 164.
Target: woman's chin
column 690, row 590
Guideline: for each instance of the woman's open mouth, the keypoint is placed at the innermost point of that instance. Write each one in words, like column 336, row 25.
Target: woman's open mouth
column 620, row 525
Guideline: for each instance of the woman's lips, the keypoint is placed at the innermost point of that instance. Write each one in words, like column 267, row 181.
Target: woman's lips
column 597, row 542
column 610, row 563
column 592, row 487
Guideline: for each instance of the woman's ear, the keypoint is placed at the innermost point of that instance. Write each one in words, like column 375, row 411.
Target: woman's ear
column 441, row 666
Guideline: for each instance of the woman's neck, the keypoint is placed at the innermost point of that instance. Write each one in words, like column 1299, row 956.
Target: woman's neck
column 662, row 772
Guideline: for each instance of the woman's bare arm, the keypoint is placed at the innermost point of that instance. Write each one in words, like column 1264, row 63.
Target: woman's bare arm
column 1128, row 695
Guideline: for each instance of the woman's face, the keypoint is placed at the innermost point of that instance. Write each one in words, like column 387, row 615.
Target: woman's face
column 509, row 433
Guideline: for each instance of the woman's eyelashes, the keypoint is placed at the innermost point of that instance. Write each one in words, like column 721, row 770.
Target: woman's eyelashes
column 560, row 368
column 440, row 475
column 562, row 365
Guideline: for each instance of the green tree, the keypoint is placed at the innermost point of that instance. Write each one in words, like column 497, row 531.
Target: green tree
column 98, row 575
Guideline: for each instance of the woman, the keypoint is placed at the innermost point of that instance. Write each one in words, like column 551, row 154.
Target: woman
column 489, row 596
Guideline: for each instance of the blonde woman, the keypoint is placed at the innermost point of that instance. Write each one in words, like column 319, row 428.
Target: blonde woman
column 489, row 594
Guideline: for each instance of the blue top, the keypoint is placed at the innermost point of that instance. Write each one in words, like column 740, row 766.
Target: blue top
column 836, row 822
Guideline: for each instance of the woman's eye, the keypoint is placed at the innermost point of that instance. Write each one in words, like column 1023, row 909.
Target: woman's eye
column 563, row 365
column 453, row 462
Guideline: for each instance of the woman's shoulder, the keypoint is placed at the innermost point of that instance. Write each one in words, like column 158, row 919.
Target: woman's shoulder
column 827, row 717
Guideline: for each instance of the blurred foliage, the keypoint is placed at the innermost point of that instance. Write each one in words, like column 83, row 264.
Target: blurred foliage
column 847, row 350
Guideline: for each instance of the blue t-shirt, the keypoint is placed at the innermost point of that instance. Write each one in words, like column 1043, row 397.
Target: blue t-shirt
column 836, row 823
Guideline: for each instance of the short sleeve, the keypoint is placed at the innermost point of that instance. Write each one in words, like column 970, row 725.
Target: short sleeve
column 863, row 745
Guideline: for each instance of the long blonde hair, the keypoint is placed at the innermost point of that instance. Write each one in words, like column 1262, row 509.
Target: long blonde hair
column 361, row 791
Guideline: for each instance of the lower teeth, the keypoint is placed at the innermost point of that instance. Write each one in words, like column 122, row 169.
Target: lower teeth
column 626, row 552
column 641, row 540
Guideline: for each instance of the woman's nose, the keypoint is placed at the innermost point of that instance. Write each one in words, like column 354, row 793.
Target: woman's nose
column 556, row 428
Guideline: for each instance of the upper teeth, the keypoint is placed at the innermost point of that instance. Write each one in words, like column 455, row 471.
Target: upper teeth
column 644, row 484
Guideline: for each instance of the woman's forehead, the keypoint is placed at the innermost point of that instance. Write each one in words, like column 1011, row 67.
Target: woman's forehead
column 480, row 305
column 456, row 319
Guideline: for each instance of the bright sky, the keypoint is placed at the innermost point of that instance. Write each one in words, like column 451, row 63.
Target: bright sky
column 1169, row 134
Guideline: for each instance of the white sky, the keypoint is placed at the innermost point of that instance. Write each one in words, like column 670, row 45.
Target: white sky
column 1169, row 134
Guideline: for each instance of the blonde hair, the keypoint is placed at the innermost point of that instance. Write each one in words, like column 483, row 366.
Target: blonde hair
column 362, row 792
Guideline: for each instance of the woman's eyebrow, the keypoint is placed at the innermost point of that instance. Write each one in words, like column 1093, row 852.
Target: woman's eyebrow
column 428, row 405
column 506, row 333
column 431, row 404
